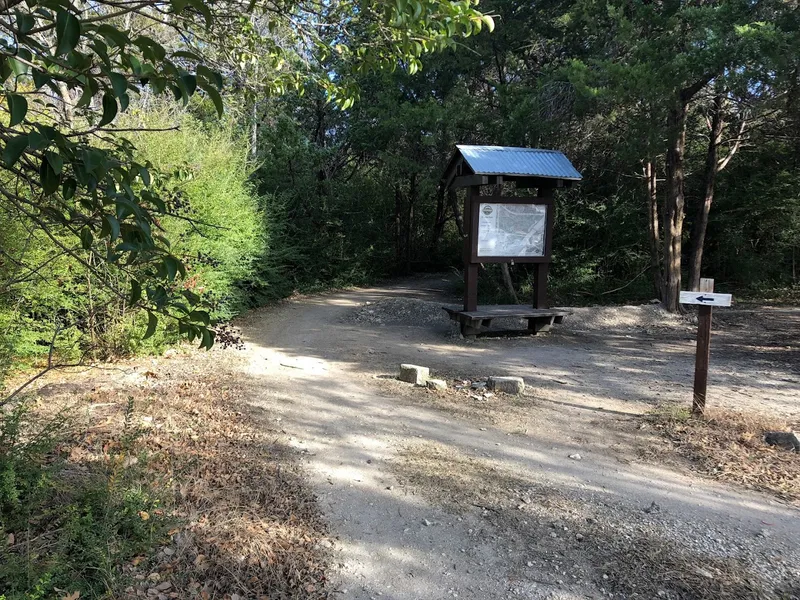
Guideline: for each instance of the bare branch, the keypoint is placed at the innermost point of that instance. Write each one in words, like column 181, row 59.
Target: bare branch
column 721, row 164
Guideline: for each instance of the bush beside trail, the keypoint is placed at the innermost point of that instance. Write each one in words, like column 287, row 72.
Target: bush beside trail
column 157, row 483
column 217, row 231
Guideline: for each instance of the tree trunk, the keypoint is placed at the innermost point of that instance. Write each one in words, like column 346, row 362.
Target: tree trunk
column 412, row 199
column 452, row 198
column 398, row 228
column 254, row 115
column 505, row 269
column 441, row 219
column 710, row 177
column 254, row 132
column 68, row 103
column 649, row 171
column 508, row 282
column 674, row 205
column 793, row 105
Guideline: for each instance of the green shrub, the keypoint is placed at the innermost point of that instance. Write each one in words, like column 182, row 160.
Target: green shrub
column 68, row 525
column 218, row 230
column 42, row 293
column 210, row 181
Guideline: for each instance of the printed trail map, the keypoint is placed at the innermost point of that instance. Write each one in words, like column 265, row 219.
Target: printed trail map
column 511, row 229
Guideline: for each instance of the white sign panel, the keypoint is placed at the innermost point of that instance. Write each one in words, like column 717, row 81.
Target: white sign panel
column 511, row 229
column 705, row 298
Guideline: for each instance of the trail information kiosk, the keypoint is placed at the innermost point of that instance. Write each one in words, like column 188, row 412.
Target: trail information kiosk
column 507, row 229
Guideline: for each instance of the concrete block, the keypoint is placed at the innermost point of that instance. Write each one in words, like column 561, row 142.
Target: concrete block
column 439, row 385
column 414, row 374
column 508, row 385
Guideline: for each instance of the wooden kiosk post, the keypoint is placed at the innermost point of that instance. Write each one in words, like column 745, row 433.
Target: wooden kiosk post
column 540, row 269
column 470, row 267
column 507, row 229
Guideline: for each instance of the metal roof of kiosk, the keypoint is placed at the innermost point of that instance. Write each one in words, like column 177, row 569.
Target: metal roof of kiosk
column 524, row 165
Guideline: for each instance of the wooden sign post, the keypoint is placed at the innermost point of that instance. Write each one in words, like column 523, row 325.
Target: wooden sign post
column 705, row 298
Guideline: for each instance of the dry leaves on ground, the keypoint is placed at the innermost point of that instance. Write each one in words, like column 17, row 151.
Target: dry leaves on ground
column 246, row 524
column 729, row 446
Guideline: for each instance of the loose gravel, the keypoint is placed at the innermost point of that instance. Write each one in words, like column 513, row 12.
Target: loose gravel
column 413, row 312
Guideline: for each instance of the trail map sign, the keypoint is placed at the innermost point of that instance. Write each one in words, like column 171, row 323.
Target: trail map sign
column 511, row 229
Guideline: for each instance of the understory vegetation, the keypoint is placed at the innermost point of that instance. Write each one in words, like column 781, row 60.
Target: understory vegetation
column 70, row 522
column 157, row 482
column 216, row 230
column 729, row 446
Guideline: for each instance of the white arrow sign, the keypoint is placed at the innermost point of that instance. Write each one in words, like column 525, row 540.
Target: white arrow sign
column 705, row 298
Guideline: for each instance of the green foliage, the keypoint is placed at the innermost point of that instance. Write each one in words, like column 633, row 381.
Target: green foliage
column 37, row 307
column 66, row 176
column 321, row 233
column 116, row 229
column 73, row 182
column 216, row 229
column 66, row 525
column 78, row 180
column 759, row 218
column 358, row 189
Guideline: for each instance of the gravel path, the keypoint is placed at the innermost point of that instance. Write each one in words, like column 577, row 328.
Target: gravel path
column 544, row 496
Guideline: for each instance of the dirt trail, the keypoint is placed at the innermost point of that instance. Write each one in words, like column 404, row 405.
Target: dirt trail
column 434, row 499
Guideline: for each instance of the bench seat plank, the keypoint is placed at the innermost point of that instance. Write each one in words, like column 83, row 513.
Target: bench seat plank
column 478, row 321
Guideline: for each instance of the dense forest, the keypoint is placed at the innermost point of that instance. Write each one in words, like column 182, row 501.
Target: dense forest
column 167, row 165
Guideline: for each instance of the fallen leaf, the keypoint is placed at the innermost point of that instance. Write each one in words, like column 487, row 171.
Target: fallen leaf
column 72, row 596
column 144, row 515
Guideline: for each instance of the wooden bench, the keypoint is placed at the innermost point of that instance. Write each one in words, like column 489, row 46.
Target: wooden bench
column 478, row 321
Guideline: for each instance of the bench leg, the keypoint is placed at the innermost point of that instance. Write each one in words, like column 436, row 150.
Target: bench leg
column 469, row 330
column 473, row 327
column 540, row 324
column 532, row 326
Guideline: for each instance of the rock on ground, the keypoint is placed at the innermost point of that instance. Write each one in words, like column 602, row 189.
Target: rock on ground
column 414, row 374
column 437, row 384
column 508, row 385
